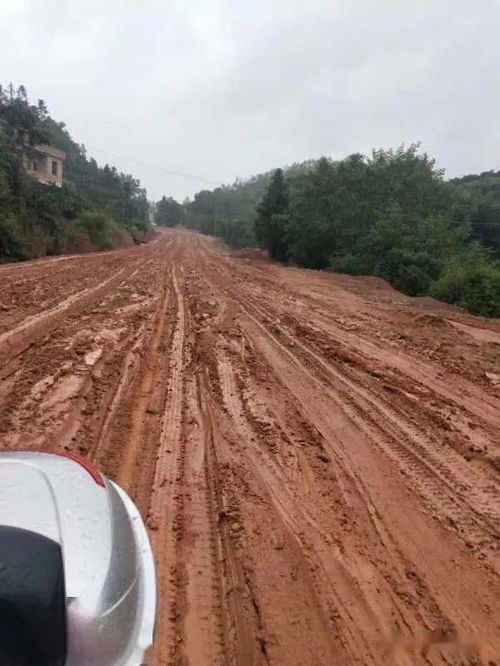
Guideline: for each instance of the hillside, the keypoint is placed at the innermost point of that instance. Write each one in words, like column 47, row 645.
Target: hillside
column 96, row 207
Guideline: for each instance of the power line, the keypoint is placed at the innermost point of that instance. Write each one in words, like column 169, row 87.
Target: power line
column 153, row 166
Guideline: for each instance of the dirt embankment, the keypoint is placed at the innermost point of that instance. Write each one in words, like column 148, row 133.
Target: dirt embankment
column 317, row 456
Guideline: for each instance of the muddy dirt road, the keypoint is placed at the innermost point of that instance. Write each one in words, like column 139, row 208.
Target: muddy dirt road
column 317, row 456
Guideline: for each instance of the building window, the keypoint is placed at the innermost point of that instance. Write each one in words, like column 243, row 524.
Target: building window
column 54, row 168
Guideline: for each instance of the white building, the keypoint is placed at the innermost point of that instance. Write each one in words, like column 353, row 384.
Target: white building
column 45, row 163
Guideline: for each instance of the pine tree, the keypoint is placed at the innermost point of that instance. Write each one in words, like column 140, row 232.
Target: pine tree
column 272, row 221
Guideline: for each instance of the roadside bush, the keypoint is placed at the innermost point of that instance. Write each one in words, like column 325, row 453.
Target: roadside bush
column 409, row 271
column 43, row 202
column 12, row 242
column 138, row 235
column 354, row 264
column 473, row 283
column 408, row 251
column 98, row 227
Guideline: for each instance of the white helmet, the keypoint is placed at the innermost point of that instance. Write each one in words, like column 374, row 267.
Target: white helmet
column 77, row 575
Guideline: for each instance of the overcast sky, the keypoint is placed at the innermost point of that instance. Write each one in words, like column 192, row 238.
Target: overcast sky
column 219, row 89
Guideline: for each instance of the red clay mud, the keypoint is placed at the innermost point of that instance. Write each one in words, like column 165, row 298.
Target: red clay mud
column 317, row 456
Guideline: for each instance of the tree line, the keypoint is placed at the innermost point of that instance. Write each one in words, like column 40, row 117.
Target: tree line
column 391, row 214
column 95, row 207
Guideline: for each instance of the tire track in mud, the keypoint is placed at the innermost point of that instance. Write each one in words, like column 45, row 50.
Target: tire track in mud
column 220, row 621
column 463, row 394
column 198, row 633
column 37, row 292
column 70, row 364
column 17, row 340
column 467, row 413
column 100, row 441
column 440, row 474
column 165, row 511
column 240, row 614
column 293, row 517
column 34, row 327
column 360, row 416
column 142, row 418
column 200, row 596
column 350, row 607
column 344, row 580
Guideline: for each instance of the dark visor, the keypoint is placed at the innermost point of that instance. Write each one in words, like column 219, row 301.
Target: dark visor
column 32, row 600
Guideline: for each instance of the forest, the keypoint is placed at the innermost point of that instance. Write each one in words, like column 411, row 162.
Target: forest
column 391, row 214
column 96, row 207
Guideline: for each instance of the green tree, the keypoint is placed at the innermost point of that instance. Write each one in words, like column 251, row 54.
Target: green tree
column 477, row 200
column 472, row 280
column 328, row 209
column 406, row 249
column 272, row 218
column 169, row 212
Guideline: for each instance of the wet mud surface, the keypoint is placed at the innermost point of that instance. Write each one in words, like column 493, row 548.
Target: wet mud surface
column 317, row 457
